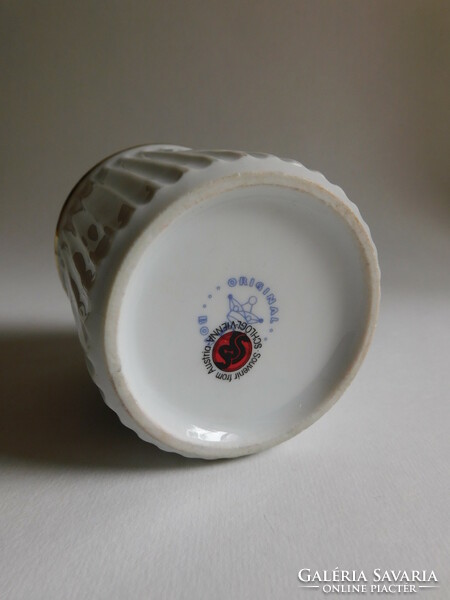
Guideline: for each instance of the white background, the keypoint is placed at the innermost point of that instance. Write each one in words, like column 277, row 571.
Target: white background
column 358, row 90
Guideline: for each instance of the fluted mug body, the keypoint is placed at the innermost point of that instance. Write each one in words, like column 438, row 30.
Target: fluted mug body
column 224, row 300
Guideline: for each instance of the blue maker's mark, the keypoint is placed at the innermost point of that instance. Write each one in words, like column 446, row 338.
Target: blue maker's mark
column 244, row 311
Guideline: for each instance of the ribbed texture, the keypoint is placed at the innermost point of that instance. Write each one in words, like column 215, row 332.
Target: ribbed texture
column 112, row 194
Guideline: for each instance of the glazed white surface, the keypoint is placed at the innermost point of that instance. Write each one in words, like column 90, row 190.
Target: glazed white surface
column 314, row 265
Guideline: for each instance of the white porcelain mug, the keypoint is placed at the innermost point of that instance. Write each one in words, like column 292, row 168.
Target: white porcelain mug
column 224, row 299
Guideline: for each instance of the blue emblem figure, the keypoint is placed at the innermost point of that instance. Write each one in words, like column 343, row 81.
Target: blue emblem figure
column 243, row 312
